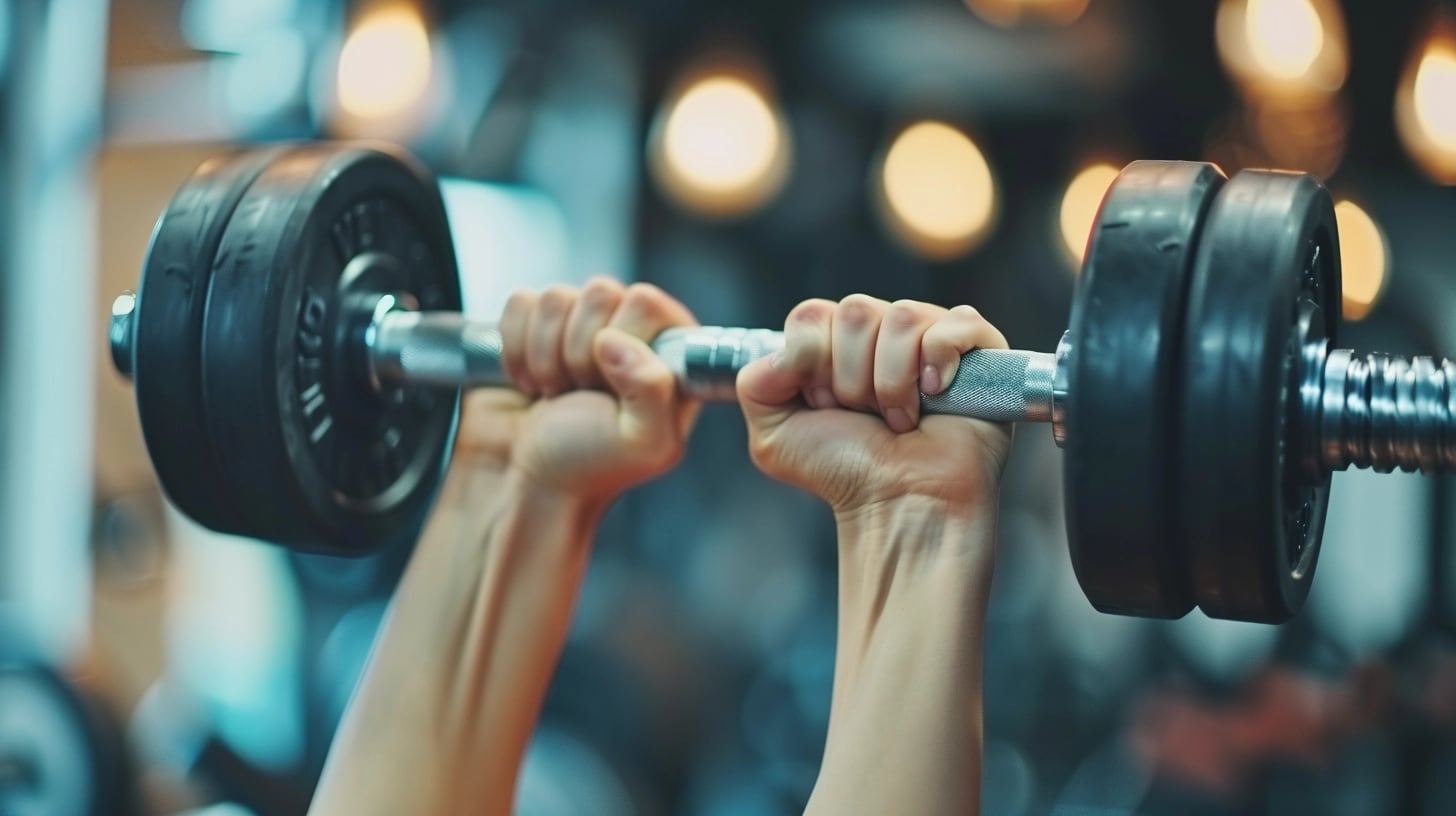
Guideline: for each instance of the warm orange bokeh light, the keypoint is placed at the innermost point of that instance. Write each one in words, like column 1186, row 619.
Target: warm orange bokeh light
column 1364, row 259
column 385, row 66
column 936, row 190
column 1080, row 205
column 721, row 147
column 1283, row 48
column 1425, row 107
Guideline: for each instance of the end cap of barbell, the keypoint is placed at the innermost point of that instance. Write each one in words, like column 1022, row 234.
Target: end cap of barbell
column 123, row 332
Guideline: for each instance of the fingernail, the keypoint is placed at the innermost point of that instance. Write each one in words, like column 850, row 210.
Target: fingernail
column 616, row 352
column 930, row 380
column 899, row 420
column 822, row 397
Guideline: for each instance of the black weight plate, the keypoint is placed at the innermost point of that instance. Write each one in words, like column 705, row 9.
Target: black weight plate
column 1252, row 522
column 59, row 755
column 167, row 332
column 1126, row 332
column 317, row 460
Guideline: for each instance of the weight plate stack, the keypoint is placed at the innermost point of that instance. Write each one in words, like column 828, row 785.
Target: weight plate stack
column 60, row 752
column 171, row 297
column 1266, row 281
column 1126, row 331
column 316, row 458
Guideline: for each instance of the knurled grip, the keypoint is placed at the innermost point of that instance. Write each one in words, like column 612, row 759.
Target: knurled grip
column 1001, row 385
column 450, row 350
column 443, row 349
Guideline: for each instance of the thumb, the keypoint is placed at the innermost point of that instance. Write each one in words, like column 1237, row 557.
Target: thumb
column 643, row 384
column 769, row 387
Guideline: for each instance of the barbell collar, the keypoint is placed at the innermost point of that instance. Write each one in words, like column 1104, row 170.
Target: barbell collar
column 1061, row 388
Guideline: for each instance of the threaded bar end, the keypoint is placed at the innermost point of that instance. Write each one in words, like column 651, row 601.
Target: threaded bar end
column 1388, row 413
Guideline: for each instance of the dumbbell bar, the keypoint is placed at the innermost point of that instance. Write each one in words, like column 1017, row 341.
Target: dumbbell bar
column 296, row 347
column 1375, row 411
column 405, row 348
column 399, row 347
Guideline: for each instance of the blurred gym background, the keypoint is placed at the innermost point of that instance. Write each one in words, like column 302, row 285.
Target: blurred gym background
column 743, row 155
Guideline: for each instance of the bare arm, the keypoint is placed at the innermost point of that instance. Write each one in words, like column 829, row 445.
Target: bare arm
column 905, row 722
column 442, row 718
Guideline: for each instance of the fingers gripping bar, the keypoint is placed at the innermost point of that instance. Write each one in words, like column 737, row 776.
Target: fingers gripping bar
column 447, row 349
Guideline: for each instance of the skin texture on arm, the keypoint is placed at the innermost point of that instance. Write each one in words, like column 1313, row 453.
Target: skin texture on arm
column 447, row 704
column 837, row 413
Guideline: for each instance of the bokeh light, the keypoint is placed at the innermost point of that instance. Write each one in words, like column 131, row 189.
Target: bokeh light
column 1080, row 205
column 1283, row 48
column 385, row 65
column 721, row 147
column 1364, row 258
column 1285, row 36
column 937, row 192
column 1435, row 97
column 722, row 135
column 1425, row 108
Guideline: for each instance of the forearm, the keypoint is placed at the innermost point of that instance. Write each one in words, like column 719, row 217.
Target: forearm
column 446, row 707
column 905, row 721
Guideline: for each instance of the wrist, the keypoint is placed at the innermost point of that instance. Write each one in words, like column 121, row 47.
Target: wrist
column 914, row 585
column 492, row 509
column 476, row 489
column 531, row 495
column 916, row 556
column 914, row 522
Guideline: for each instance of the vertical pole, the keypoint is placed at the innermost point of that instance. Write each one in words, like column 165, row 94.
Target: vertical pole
column 51, row 126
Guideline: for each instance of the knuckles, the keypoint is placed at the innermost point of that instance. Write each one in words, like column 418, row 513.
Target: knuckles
column 519, row 305
column 810, row 313
column 903, row 315
column 643, row 300
column 858, row 311
column 556, row 300
column 601, row 291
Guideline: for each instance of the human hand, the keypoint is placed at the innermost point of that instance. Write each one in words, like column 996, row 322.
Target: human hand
column 593, row 410
column 837, row 412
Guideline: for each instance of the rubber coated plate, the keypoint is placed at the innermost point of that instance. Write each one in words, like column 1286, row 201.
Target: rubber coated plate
column 56, row 756
column 1252, row 522
column 1126, row 331
column 317, row 459
column 171, row 298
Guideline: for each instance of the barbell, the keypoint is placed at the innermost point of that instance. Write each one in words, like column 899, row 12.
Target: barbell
column 297, row 349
